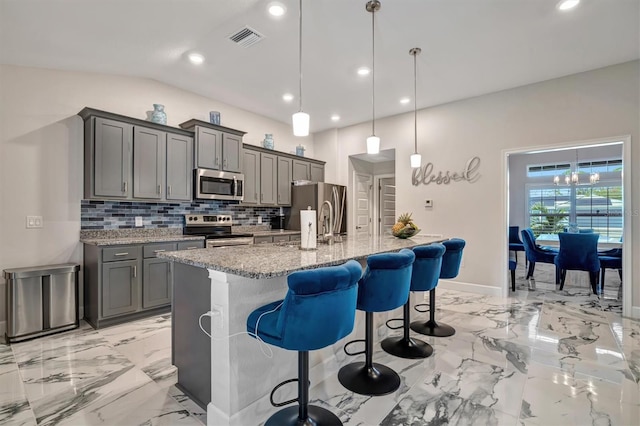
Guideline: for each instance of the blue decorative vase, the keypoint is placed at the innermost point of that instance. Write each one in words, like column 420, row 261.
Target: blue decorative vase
column 300, row 150
column 158, row 115
column 268, row 141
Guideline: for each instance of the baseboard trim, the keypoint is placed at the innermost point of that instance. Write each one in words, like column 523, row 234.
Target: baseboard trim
column 3, row 331
column 635, row 312
column 469, row 287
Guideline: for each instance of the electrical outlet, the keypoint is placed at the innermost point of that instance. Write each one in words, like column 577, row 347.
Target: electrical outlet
column 34, row 222
column 217, row 321
column 259, row 220
column 138, row 221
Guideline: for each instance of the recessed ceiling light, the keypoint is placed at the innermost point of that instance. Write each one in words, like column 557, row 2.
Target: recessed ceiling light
column 287, row 97
column 196, row 58
column 364, row 71
column 276, row 9
column 568, row 4
column 335, row 117
column 405, row 100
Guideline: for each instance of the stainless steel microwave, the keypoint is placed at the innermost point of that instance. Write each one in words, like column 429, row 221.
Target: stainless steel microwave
column 217, row 185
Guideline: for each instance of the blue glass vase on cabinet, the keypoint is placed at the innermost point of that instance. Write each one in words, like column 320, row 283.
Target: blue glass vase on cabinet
column 158, row 115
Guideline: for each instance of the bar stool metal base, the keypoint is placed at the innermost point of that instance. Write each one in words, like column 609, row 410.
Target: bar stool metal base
column 411, row 348
column 317, row 416
column 375, row 381
column 432, row 328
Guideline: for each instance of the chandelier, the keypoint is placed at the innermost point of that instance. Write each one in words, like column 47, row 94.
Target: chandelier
column 574, row 179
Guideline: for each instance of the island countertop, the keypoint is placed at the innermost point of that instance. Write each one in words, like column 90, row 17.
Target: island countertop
column 280, row 259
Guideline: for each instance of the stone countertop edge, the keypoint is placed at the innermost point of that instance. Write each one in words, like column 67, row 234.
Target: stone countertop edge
column 277, row 260
column 274, row 232
column 139, row 240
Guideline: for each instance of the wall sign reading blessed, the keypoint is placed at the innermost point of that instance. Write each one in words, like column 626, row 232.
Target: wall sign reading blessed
column 425, row 174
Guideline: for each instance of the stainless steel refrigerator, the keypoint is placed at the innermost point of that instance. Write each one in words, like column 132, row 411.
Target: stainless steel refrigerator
column 314, row 195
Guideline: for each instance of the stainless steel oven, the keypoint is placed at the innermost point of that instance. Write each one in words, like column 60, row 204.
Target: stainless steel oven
column 218, row 185
column 216, row 229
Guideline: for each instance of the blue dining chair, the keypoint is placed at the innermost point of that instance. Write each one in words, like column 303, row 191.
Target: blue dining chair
column 610, row 262
column 513, row 263
column 578, row 252
column 515, row 244
column 535, row 253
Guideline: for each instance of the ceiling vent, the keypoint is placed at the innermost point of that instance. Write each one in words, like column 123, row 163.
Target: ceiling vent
column 246, row 37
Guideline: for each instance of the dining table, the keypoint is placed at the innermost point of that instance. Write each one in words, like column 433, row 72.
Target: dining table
column 604, row 243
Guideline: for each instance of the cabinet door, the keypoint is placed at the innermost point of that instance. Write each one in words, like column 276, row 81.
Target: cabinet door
column 268, row 178
column 208, row 148
column 120, row 284
column 231, row 153
column 156, row 283
column 251, row 167
column 265, row 239
column 317, row 173
column 179, row 167
column 112, row 158
column 300, row 170
column 284, row 181
column 190, row 245
column 149, row 148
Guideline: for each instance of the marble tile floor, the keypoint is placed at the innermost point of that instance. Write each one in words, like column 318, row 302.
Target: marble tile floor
column 538, row 357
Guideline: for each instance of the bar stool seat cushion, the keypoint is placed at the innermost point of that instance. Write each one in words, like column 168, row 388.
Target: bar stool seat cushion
column 454, row 248
column 426, row 269
column 379, row 289
column 317, row 311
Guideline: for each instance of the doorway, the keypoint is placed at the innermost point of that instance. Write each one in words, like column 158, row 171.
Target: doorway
column 530, row 172
column 372, row 190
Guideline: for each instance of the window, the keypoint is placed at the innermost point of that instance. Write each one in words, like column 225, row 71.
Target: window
column 599, row 207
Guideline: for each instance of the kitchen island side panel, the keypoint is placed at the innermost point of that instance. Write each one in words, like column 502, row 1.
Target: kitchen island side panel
column 191, row 348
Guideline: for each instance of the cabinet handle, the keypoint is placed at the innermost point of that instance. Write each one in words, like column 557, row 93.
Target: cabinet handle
column 135, row 271
column 124, row 186
column 217, row 161
column 192, row 247
column 158, row 251
column 224, row 163
column 121, row 254
column 159, row 190
column 169, row 190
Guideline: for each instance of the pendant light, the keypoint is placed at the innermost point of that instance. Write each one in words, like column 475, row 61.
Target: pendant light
column 373, row 142
column 300, row 119
column 416, row 159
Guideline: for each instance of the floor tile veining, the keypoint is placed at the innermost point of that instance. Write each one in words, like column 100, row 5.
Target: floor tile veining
column 539, row 357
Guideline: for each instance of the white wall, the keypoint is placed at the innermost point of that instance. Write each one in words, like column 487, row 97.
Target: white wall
column 591, row 105
column 518, row 174
column 41, row 151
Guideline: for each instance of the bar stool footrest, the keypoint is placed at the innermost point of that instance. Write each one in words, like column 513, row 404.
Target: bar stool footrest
column 397, row 327
column 278, row 386
column 421, row 306
column 352, row 342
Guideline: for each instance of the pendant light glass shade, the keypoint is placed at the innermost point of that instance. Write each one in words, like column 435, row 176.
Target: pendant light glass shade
column 300, row 119
column 373, row 142
column 300, row 124
column 416, row 160
column 373, row 145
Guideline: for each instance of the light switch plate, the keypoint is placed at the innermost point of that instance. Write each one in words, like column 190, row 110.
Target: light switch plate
column 138, row 221
column 259, row 220
column 428, row 203
column 34, row 222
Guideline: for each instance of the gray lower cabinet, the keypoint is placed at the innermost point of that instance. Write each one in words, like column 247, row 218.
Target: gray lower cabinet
column 285, row 177
column 268, row 239
column 127, row 282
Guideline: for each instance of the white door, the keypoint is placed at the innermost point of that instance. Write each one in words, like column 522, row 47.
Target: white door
column 386, row 205
column 362, row 203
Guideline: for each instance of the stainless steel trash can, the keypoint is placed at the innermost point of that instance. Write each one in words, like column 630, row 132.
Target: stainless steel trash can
column 41, row 300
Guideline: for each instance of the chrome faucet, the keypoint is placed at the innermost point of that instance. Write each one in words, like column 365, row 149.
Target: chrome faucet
column 327, row 236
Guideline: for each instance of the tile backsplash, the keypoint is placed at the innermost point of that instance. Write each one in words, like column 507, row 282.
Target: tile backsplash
column 121, row 214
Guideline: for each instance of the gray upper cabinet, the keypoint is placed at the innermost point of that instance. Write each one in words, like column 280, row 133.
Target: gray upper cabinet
column 301, row 170
column 179, row 167
column 217, row 147
column 268, row 178
column 208, row 148
column 231, row 152
column 149, row 148
column 284, row 181
column 317, row 172
column 128, row 158
column 108, row 156
column 251, row 167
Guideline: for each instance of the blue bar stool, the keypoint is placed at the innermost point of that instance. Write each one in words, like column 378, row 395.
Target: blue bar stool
column 318, row 310
column 450, row 268
column 383, row 287
column 426, row 271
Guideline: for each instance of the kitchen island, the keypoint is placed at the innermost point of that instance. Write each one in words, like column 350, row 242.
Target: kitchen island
column 231, row 374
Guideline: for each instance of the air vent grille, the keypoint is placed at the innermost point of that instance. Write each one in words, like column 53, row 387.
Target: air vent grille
column 246, row 37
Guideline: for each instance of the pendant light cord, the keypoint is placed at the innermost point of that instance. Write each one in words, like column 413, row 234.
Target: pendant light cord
column 300, row 59
column 373, row 71
column 415, row 103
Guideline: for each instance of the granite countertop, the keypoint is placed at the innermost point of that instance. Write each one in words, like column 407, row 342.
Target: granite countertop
column 113, row 237
column 275, row 260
